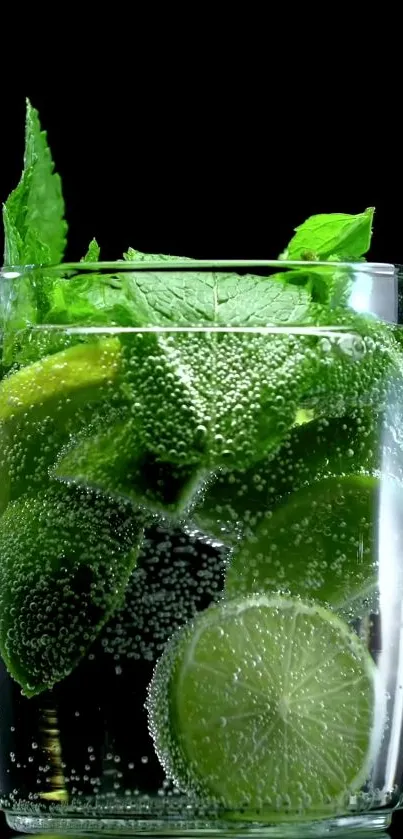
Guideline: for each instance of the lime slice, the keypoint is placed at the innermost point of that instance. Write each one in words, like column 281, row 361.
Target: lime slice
column 68, row 372
column 265, row 702
column 320, row 542
column 43, row 404
column 66, row 557
column 115, row 462
column 236, row 500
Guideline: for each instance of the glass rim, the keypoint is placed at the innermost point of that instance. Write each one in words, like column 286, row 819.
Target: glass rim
column 183, row 265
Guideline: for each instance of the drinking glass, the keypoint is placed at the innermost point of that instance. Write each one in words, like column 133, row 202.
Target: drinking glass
column 201, row 536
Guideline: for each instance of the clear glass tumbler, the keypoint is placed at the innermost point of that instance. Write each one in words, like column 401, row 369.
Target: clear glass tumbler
column 201, row 532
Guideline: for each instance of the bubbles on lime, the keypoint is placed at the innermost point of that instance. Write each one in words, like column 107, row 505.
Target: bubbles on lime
column 233, row 501
column 44, row 404
column 251, row 703
column 319, row 542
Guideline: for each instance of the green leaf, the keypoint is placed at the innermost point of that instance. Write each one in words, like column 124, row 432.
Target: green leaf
column 341, row 235
column 133, row 255
column 173, row 381
column 93, row 252
column 115, row 462
column 34, row 226
column 214, row 398
column 214, row 299
column 90, row 299
column 329, row 287
column 13, row 245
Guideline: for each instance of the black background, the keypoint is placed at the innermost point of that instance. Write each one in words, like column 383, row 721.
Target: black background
column 210, row 169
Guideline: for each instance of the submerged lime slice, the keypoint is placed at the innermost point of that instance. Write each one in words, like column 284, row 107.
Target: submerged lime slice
column 65, row 373
column 66, row 557
column 319, row 542
column 42, row 404
column 234, row 503
column 265, row 702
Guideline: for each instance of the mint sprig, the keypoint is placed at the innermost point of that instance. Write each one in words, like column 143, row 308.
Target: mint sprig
column 337, row 236
column 93, row 252
column 329, row 237
column 133, row 255
column 33, row 215
column 214, row 299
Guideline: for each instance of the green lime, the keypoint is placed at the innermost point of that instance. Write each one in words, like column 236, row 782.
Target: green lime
column 234, row 502
column 43, row 404
column 66, row 556
column 69, row 372
column 115, row 462
column 319, row 542
column 265, row 702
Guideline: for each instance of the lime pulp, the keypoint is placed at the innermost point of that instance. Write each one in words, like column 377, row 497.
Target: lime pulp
column 319, row 542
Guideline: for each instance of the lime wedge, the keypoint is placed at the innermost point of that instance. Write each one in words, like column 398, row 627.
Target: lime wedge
column 319, row 542
column 115, row 462
column 43, row 404
column 234, row 502
column 66, row 557
column 265, row 702
column 67, row 372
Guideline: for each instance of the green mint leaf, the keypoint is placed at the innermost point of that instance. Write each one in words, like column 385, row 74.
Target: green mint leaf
column 13, row 245
column 341, row 235
column 90, row 299
column 329, row 287
column 173, row 381
column 181, row 298
column 133, row 255
column 115, row 462
column 34, row 226
column 214, row 299
column 214, row 398
column 93, row 252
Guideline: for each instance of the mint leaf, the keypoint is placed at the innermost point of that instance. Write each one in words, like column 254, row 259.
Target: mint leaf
column 33, row 215
column 93, row 252
column 173, row 381
column 13, row 245
column 333, row 237
column 133, row 255
column 161, row 298
column 90, row 299
column 341, row 235
column 214, row 398
column 214, row 299
column 115, row 462
column 329, row 287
